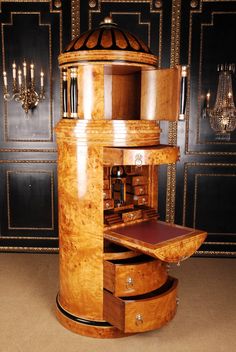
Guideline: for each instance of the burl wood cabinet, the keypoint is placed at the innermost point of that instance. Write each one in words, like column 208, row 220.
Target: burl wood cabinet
column 113, row 249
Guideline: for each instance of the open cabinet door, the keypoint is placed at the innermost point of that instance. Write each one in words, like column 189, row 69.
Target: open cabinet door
column 163, row 94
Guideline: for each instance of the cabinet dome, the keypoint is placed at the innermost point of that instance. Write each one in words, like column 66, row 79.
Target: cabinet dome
column 108, row 42
column 108, row 36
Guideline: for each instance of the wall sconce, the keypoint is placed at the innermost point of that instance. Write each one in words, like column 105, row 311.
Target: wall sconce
column 222, row 116
column 23, row 88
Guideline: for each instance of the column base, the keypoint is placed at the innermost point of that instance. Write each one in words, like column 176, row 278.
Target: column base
column 91, row 328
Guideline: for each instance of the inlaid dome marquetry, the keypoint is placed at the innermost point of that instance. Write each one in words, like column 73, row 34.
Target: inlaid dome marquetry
column 107, row 36
column 108, row 42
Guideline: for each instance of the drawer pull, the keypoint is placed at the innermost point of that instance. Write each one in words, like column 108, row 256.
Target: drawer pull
column 107, row 205
column 139, row 319
column 138, row 160
column 131, row 215
column 177, row 300
column 129, row 282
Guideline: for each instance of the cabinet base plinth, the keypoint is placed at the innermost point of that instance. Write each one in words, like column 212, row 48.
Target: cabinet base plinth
column 99, row 329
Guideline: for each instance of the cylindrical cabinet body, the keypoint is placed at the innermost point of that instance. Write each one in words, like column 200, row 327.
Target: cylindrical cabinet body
column 108, row 152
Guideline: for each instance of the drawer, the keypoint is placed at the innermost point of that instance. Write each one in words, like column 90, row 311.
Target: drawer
column 137, row 190
column 141, row 200
column 137, row 200
column 142, row 313
column 108, row 204
column 134, row 276
column 160, row 154
column 106, row 194
column 137, row 180
column 106, row 184
column 132, row 215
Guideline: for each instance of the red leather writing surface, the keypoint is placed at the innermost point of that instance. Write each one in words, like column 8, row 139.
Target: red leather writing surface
column 153, row 232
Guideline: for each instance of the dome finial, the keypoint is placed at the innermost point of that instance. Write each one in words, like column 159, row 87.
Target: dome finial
column 107, row 21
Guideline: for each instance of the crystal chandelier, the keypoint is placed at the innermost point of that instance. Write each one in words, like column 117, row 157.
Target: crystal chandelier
column 222, row 116
column 23, row 88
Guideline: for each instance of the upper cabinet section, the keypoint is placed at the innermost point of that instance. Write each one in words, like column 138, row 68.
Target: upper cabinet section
column 109, row 74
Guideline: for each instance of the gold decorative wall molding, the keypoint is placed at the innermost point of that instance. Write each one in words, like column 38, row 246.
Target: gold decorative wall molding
column 173, row 126
column 189, row 165
column 50, row 123
column 75, row 18
column 198, row 9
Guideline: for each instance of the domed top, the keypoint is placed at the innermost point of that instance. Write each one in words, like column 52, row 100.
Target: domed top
column 108, row 36
column 107, row 44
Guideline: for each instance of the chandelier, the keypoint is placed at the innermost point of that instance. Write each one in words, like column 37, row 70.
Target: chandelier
column 222, row 116
column 23, row 86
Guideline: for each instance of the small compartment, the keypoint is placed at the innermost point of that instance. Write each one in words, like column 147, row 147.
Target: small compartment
column 122, row 92
column 134, row 276
column 142, row 313
column 113, row 251
column 108, row 204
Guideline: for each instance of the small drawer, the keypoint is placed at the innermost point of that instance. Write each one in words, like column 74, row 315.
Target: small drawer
column 137, row 190
column 132, row 215
column 134, row 276
column 108, row 204
column 106, row 194
column 142, row 313
column 141, row 200
column 106, row 184
column 137, row 180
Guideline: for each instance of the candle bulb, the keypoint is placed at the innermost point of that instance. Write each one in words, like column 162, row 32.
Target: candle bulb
column 19, row 78
column 24, row 69
column 5, row 79
column 32, row 72
column 41, row 79
column 208, row 99
column 14, row 71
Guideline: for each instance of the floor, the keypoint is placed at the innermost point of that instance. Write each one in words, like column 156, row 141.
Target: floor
column 205, row 320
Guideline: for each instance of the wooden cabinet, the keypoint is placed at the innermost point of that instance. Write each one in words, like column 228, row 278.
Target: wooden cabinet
column 113, row 248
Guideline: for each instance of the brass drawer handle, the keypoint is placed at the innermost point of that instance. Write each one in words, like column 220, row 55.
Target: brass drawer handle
column 138, row 160
column 107, row 205
column 129, row 282
column 131, row 215
column 139, row 319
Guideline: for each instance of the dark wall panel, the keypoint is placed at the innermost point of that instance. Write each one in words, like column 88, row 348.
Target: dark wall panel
column 36, row 31
column 33, row 211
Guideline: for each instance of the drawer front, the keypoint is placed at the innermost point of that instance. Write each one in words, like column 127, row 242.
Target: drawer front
column 137, row 190
column 134, row 277
column 106, row 194
column 138, row 180
column 108, row 204
column 141, row 200
column 142, row 313
column 106, row 184
column 132, row 215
